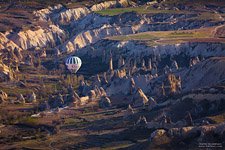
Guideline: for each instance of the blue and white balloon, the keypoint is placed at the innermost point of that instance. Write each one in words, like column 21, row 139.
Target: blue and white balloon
column 73, row 64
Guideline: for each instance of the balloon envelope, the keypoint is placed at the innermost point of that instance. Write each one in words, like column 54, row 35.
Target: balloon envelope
column 73, row 64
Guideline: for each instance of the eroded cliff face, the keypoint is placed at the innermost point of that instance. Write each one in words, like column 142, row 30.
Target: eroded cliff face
column 139, row 50
column 50, row 36
column 93, row 27
column 62, row 15
column 5, row 43
column 73, row 29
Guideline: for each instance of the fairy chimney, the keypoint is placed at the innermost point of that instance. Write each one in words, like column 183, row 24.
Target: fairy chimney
column 121, row 62
column 111, row 64
column 150, row 64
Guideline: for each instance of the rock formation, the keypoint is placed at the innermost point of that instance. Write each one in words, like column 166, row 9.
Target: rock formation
column 151, row 103
column 92, row 95
column 172, row 84
column 104, row 102
column 142, row 122
column 121, row 62
column 21, row 99
column 32, row 98
column 29, row 60
column 3, row 96
column 139, row 98
column 5, row 72
column 38, row 38
column 103, row 92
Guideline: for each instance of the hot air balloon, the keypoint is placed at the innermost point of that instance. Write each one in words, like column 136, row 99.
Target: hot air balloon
column 73, row 64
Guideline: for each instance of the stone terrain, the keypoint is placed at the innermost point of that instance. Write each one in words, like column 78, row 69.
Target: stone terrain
column 152, row 75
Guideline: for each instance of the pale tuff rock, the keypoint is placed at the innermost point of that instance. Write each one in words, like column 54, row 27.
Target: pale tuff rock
column 103, row 5
column 43, row 54
column 6, row 73
column 92, row 95
column 110, row 64
column 63, row 15
column 127, row 86
column 43, row 14
column 97, row 91
column 21, row 99
column 104, row 102
column 111, row 4
column 3, row 96
column 103, row 93
column 38, row 38
column 121, row 62
column 172, row 84
column 104, row 79
column 57, row 52
column 29, row 60
column 132, row 86
column 4, row 69
column 32, row 98
column 150, row 64
column 6, row 43
column 139, row 98
column 92, row 36
column 119, row 73
column 194, row 61
column 75, row 97
column 69, row 15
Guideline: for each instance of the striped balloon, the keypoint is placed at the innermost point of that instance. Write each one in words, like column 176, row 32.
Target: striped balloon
column 73, row 64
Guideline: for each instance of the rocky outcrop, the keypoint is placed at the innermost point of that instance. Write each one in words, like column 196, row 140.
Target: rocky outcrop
column 44, row 14
column 112, row 4
column 69, row 15
column 6, row 43
column 137, row 50
column 127, row 86
column 21, row 99
column 5, row 73
column 104, row 102
column 92, row 95
column 41, row 37
column 3, row 96
column 139, row 98
column 32, row 98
